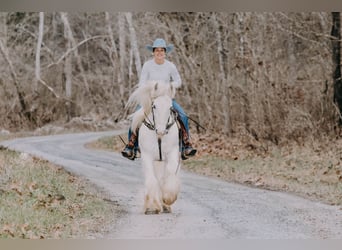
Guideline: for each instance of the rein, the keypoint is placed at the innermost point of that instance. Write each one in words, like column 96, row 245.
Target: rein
column 159, row 147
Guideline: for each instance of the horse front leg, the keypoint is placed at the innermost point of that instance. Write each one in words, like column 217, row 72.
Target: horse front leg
column 171, row 183
column 153, row 195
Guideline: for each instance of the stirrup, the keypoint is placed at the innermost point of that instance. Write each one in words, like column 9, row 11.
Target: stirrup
column 189, row 151
column 183, row 156
column 128, row 153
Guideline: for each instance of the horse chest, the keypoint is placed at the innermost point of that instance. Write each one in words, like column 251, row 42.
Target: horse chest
column 148, row 140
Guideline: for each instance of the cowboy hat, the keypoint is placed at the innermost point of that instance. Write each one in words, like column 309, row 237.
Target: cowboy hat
column 160, row 43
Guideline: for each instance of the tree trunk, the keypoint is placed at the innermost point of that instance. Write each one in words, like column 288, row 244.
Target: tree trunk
column 336, row 57
column 37, row 69
column 68, row 81
column 122, row 50
column 134, row 43
column 223, row 81
column 3, row 27
column 64, row 17
column 21, row 96
column 111, row 34
column 39, row 45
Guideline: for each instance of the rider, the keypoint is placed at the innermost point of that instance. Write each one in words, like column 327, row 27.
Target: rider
column 161, row 69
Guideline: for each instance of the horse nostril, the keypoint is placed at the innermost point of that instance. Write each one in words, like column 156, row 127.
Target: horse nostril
column 160, row 133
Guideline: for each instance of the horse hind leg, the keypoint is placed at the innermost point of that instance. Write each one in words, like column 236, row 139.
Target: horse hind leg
column 166, row 208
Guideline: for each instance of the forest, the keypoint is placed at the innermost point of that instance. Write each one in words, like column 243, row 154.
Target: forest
column 272, row 75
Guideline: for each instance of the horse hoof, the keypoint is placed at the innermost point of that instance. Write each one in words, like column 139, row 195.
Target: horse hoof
column 151, row 211
column 166, row 209
column 169, row 200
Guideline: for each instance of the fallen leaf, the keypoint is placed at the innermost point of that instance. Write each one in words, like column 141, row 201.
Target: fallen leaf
column 8, row 229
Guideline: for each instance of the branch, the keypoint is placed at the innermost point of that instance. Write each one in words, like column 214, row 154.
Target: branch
column 74, row 48
column 48, row 87
column 338, row 110
column 35, row 36
column 134, row 42
column 14, row 77
column 299, row 35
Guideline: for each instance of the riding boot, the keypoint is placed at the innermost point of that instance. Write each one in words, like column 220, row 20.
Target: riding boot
column 187, row 149
column 129, row 151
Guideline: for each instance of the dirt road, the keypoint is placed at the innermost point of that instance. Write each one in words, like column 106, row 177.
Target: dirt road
column 206, row 208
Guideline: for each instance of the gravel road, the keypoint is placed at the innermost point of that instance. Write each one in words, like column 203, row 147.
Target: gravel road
column 207, row 208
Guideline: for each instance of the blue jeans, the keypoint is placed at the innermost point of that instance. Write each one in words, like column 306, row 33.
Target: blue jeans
column 181, row 114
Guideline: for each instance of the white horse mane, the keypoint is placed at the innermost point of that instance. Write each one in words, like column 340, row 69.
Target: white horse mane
column 144, row 96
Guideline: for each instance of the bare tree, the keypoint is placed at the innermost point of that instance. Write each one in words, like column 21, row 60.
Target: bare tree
column 122, row 48
column 134, row 42
column 111, row 34
column 64, row 17
column 68, row 78
column 21, row 96
column 39, row 45
column 37, row 68
column 267, row 75
column 222, row 81
column 336, row 56
column 3, row 27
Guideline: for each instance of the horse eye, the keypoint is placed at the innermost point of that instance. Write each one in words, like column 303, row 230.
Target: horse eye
column 153, row 106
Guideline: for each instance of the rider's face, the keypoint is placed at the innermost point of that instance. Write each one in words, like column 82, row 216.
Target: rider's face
column 159, row 53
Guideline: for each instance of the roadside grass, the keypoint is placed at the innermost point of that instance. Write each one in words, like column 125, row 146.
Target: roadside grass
column 109, row 143
column 273, row 174
column 39, row 200
column 312, row 170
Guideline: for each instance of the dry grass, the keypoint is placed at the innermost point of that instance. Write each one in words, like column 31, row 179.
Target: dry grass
column 43, row 201
column 312, row 170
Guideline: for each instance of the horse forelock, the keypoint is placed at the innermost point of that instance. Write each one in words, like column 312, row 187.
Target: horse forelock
column 162, row 88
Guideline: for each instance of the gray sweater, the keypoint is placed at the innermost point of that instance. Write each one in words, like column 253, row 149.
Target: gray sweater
column 166, row 72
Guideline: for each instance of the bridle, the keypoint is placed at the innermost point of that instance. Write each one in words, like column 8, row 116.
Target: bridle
column 152, row 125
